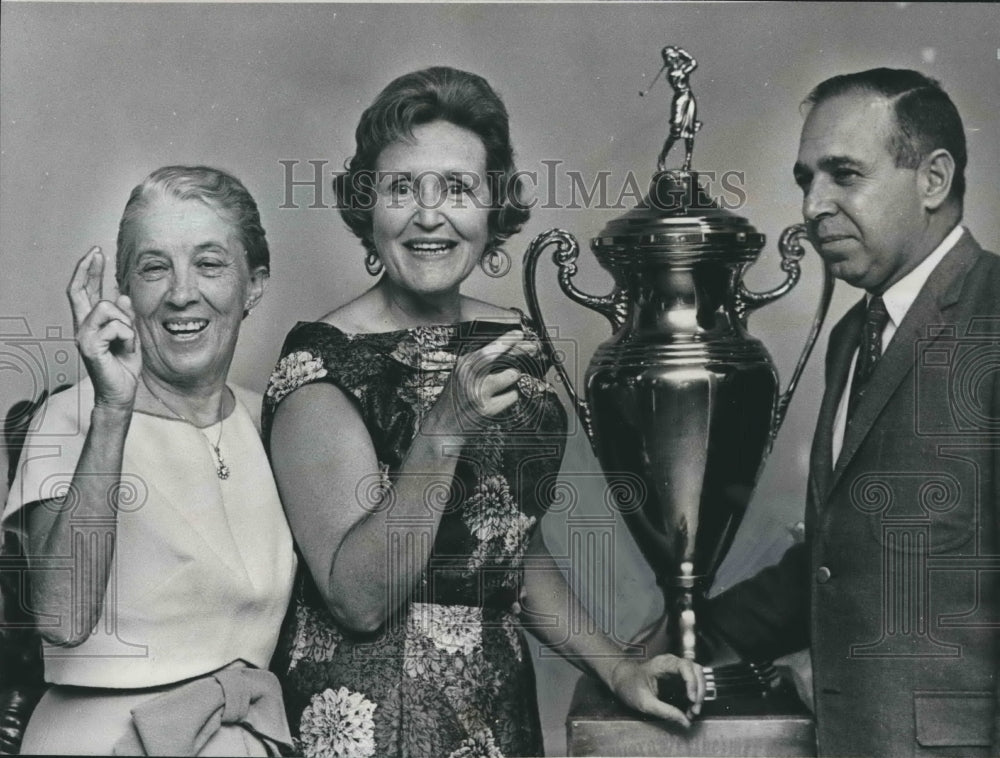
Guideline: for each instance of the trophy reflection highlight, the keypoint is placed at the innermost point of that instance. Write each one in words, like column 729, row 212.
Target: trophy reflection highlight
column 681, row 395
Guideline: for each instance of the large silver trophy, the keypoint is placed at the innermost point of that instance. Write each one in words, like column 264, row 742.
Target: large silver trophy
column 681, row 396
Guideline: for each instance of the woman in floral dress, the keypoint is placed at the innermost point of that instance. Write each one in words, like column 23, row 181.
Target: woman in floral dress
column 415, row 441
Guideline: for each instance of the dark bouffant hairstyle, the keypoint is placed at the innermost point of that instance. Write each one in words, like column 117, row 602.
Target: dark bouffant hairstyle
column 433, row 94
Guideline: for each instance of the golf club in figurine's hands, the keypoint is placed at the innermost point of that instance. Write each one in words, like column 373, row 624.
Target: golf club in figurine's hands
column 681, row 398
column 684, row 124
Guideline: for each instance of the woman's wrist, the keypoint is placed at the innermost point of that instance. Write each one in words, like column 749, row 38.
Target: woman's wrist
column 104, row 416
column 608, row 669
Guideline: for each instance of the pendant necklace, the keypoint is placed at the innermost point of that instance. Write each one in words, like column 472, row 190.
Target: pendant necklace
column 221, row 469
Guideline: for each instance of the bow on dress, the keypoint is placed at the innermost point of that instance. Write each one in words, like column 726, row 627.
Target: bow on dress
column 182, row 721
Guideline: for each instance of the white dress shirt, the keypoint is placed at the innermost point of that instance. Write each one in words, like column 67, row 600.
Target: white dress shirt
column 898, row 300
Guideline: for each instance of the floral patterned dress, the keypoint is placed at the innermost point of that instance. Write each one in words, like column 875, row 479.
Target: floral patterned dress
column 450, row 674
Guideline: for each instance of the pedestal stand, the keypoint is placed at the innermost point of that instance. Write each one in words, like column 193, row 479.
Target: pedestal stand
column 776, row 725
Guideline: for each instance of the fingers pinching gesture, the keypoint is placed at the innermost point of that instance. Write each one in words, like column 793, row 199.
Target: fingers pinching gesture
column 105, row 334
column 636, row 685
column 479, row 387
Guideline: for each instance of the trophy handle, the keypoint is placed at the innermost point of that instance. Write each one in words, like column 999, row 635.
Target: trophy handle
column 790, row 247
column 612, row 306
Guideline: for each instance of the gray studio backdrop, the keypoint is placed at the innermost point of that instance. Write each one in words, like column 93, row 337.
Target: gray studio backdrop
column 96, row 96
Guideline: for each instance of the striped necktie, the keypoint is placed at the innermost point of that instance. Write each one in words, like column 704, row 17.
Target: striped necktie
column 869, row 351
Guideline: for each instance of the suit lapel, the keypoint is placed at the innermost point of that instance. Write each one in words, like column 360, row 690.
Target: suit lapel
column 843, row 342
column 942, row 290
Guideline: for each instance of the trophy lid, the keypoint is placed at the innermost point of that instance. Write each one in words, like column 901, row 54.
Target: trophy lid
column 677, row 219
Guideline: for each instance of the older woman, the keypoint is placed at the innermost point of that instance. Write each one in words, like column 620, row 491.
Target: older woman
column 413, row 438
column 164, row 563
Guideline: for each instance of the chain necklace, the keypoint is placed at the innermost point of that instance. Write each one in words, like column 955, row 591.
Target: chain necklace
column 221, row 469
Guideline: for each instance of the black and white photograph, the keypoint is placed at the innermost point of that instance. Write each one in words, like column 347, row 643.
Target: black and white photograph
column 483, row 379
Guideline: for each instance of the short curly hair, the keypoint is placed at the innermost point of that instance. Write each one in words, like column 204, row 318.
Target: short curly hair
column 439, row 93
column 222, row 191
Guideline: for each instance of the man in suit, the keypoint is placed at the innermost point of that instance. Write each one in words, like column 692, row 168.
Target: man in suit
column 896, row 589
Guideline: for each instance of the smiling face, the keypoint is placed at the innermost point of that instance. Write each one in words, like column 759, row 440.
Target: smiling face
column 190, row 283
column 431, row 222
column 865, row 215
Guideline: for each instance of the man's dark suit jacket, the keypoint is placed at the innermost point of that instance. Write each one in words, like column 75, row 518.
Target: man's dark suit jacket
column 897, row 587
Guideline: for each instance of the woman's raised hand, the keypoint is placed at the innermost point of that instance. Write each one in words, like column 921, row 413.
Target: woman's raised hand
column 478, row 387
column 105, row 334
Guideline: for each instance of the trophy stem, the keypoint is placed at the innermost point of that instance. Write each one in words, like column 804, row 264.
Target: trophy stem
column 678, row 632
column 681, row 602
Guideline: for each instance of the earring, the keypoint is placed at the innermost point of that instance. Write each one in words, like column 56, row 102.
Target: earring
column 373, row 265
column 495, row 262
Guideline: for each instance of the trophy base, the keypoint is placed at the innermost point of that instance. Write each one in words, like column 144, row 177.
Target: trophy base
column 729, row 680
column 734, row 680
column 748, row 725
